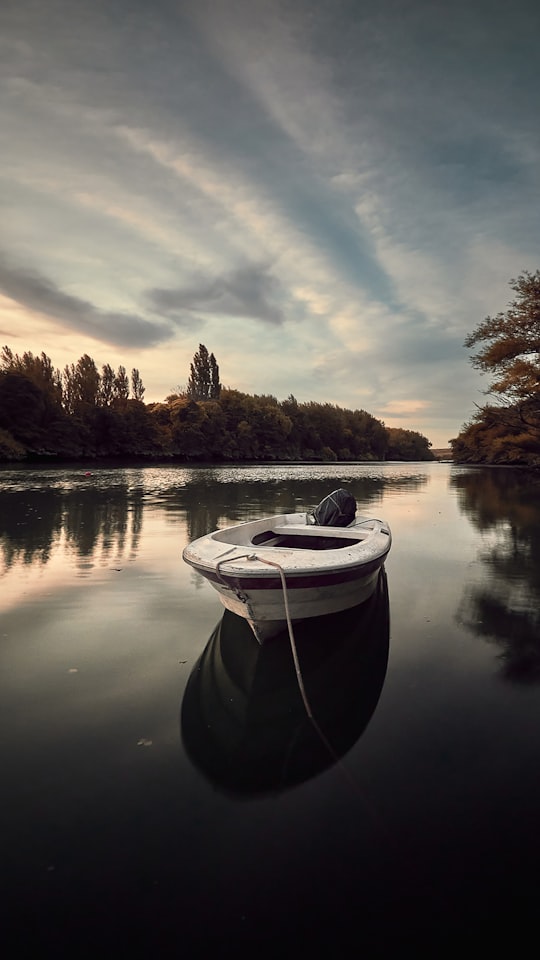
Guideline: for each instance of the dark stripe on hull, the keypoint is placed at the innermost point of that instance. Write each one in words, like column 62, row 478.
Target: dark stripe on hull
column 296, row 581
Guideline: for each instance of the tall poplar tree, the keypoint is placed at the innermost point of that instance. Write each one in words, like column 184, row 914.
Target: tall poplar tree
column 121, row 385
column 137, row 387
column 203, row 383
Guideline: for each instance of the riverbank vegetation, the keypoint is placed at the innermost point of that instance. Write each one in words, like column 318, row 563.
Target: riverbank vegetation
column 83, row 412
column 507, row 430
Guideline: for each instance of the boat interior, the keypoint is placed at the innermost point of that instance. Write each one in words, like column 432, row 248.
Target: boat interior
column 297, row 536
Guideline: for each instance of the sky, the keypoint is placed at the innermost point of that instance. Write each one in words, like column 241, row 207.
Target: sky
column 328, row 195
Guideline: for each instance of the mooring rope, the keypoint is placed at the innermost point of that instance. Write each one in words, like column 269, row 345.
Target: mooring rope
column 272, row 563
column 244, row 556
column 299, row 678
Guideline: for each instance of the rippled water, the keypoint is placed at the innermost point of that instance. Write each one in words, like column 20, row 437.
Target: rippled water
column 161, row 779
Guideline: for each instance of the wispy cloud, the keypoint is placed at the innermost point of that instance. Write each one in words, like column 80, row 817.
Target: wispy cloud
column 30, row 289
column 357, row 183
column 249, row 291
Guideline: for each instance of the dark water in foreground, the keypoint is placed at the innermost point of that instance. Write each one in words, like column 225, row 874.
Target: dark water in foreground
column 160, row 781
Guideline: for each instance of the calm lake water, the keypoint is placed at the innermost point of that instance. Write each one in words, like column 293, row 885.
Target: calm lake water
column 161, row 782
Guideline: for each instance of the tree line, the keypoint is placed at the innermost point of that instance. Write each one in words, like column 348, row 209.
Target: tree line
column 83, row 412
column 506, row 430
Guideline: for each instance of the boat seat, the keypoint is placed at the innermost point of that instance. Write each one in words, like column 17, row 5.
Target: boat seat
column 302, row 537
column 345, row 533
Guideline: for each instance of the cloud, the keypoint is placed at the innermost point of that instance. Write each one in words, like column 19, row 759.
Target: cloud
column 36, row 292
column 249, row 291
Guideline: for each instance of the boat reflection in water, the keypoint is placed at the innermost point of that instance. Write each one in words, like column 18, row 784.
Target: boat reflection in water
column 243, row 721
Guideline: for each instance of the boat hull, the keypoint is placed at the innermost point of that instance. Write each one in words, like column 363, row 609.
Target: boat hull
column 265, row 610
column 281, row 567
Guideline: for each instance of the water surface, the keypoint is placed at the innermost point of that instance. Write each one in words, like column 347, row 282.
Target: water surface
column 160, row 778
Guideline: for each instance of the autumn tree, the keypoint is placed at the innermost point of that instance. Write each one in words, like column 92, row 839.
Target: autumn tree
column 203, row 383
column 498, row 435
column 511, row 343
column 80, row 384
column 507, row 431
column 22, row 407
column 39, row 370
column 407, row 445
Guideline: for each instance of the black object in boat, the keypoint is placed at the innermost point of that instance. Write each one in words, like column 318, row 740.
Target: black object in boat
column 338, row 509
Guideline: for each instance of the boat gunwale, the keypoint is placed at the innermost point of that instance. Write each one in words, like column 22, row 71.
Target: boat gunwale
column 298, row 579
column 355, row 558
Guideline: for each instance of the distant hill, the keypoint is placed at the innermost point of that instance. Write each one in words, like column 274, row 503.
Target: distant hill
column 444, row 453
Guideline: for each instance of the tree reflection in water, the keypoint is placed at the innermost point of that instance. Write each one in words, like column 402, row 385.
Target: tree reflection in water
column 103, row 515
column 94, row 523
column 504, row 607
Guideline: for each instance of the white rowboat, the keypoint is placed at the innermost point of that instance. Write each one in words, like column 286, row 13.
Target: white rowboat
column 264, row 569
